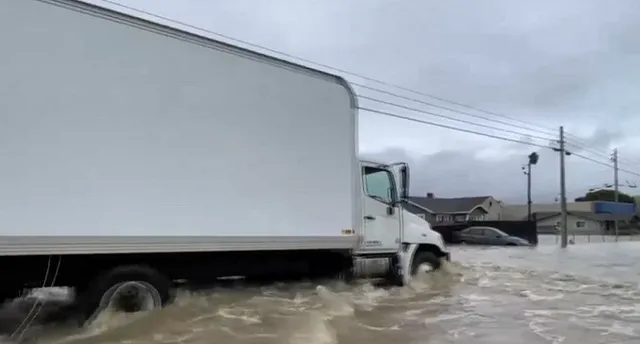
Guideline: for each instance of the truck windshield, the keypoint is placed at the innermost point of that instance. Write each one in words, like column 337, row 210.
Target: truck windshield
column 378, row 184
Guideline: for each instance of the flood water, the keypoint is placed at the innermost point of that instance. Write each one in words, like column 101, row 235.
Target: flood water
column 587, row 293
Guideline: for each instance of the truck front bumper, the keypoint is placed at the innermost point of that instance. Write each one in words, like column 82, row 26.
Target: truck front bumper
column 447, row 256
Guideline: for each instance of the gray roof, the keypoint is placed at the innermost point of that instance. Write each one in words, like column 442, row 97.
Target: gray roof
column 583, row 214
column 449, row 205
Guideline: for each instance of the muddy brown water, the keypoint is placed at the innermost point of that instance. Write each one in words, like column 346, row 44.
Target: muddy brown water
column 588, row 293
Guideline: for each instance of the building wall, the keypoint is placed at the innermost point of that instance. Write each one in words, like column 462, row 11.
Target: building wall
column 575, row 224
column 518, row 211
column 445, row 219
column 495, row 209
column 477, row 214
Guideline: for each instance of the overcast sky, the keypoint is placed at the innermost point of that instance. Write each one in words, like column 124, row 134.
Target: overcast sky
column 548, row 63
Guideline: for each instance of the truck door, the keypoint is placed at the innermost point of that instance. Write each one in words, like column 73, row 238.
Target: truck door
column 382, row 219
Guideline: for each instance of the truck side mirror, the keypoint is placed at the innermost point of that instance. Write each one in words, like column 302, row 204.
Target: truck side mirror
column 404, row 181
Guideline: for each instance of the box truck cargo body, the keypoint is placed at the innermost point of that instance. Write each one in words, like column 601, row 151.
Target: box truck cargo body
column 136, row 133
column 131, row 151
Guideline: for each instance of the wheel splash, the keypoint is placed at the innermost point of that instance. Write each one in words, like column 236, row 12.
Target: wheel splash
column 125, row 302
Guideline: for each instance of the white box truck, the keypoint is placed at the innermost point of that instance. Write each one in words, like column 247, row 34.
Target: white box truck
column 134, row 155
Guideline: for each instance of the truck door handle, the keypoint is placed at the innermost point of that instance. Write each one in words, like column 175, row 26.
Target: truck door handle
column 369, row 217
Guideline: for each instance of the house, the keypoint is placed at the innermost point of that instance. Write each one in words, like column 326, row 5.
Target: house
column 578, row 222
column 444, row 211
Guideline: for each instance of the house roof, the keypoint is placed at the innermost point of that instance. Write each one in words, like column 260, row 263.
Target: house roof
column 582, row 214
column 449, row 205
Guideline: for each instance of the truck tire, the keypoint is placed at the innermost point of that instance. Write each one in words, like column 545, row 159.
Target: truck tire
column 105, row 292
column 424, row 258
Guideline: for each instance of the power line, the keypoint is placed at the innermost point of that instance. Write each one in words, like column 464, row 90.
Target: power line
column 449, row 109
column 609, row 165
column 391, row 114
column 594, row 152
column 452, row 118
column 601, row 154
column 593, row 160
column 578, row 146
column 629, row 162
column 343, row 71
column 395, row 115
column 583, row 145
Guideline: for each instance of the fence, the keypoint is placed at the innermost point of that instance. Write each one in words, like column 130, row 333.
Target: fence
column 577, row 238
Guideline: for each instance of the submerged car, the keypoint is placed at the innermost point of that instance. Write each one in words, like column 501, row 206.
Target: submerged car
column 488, row 236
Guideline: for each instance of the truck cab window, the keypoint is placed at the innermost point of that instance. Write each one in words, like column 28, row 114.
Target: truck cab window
column 379, row 184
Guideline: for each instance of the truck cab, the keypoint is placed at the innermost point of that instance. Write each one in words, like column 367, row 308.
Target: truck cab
column 392, row 238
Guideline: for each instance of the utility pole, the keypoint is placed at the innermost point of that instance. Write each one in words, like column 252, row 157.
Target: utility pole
column 529, row 192
column 563, row 192
column 614, row 158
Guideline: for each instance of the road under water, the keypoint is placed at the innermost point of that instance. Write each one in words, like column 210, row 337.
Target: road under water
column 587, row 293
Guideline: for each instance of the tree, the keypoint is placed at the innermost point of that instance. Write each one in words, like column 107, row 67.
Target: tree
column 605, row 195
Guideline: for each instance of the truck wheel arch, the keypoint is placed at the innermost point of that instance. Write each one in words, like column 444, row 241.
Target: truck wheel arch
column 99, row 293
column 414, row 249
column 430, row 248
column 422, row 257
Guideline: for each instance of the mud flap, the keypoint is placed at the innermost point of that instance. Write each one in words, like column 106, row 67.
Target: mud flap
column 405, row 257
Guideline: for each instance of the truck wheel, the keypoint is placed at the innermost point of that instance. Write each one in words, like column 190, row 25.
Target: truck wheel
column 424, row 262
column 127, row 289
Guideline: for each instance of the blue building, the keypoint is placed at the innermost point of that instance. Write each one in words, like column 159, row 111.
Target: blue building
column 605, row 207
column 614, row 210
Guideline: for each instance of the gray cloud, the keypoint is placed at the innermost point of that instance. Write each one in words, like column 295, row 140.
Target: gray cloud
column 574, row 63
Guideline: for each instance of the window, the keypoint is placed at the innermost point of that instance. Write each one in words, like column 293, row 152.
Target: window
column 581, row 224
column 474, row 231
column 444, row 218
column 460, row 218
column 494, row 232
column 480, row 217
column 379, row 185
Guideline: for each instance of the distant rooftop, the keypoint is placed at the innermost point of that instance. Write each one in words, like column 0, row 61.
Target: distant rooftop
column 448, row 205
